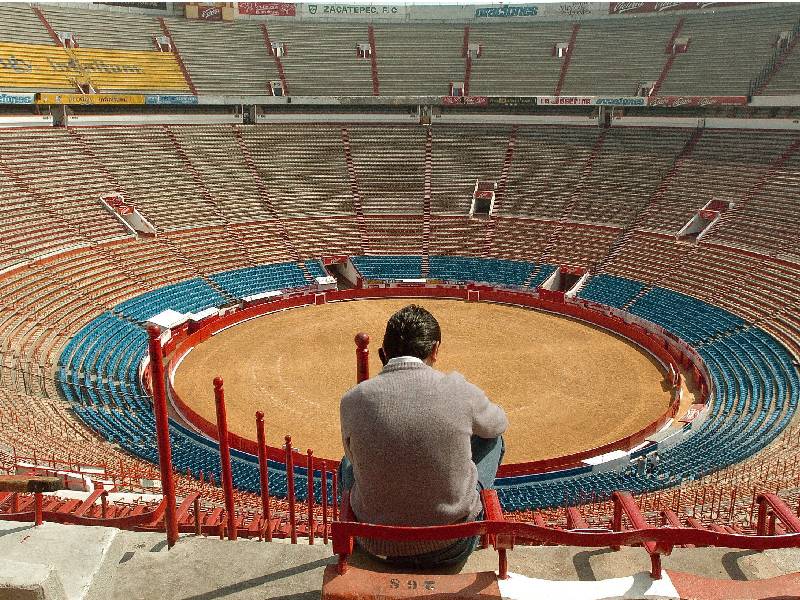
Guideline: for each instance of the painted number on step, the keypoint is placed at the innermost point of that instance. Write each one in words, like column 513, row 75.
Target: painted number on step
column 412, row 584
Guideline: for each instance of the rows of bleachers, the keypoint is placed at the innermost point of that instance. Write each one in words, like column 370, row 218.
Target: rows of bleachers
column 610, row 290
column 517, row 59
column 315, row 268
column 257, row 280
column 321, row 58
column 691, row 319
column 206, row 51
column 607, row 64
column 210, row 184
column 463, row 269
column 435, row 61
column 103, row 29
column 727, row 49
column 191, row 296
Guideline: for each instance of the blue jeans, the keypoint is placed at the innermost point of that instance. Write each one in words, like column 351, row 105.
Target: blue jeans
column 487, row 454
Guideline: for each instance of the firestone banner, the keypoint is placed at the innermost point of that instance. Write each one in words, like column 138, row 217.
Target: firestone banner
column 44, row 98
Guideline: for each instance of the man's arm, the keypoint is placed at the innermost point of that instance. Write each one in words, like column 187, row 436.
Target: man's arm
column 488, row 419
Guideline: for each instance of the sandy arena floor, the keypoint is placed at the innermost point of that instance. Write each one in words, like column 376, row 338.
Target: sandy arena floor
column 565, row 386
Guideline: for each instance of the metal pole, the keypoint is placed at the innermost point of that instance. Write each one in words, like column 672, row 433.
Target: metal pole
column 225, row 457
column 264, row 474
column 290, row 489
column 362, row 357
column 162, row 433
column 324, row 488
column 310, row 499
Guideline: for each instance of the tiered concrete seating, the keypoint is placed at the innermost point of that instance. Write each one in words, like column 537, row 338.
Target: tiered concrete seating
column 21, row 25
column 419, row 59
column 625, row 174
column 723, row 165
column 157, row 182
column 458, row 161
column 103, row 29
column 784, row 82
column 517, row 59
column 66, row 184
column 546, row 167
column 608, row 61
column 321, row 59
column 305, row 173
column 727, row 49
column 206, row 51
column 766, row 220
column 389, row 165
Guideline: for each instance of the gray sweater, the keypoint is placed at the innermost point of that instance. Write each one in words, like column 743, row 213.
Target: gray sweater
column 407, row 432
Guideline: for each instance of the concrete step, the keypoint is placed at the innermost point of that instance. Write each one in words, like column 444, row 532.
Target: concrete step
column 102, row 563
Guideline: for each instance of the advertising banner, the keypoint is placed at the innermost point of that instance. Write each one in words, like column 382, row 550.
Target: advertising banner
column 695, row 101
column 35, row 66
column 352, row 12
column 513, row 100
column 506, row 11
column 628, row 8
column 620, row 101
column 209, row 13
column 46, row 98
column 11, row 98
column 564, row 100
column 162, row 99
column 269, row 9
column 465, row 101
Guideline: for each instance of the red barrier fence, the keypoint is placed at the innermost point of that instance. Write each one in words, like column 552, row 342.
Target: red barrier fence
column 596, row 314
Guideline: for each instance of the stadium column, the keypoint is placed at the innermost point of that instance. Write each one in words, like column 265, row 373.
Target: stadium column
column 162, row 433
column 225, row 457
column 362, row 357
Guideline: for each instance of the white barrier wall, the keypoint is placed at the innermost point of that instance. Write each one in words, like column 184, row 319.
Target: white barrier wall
column 148, row 119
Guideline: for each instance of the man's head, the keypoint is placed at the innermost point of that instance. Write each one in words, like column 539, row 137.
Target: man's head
column 412, row 331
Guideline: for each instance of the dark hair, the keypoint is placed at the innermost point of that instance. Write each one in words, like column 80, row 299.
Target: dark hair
column 411, row 331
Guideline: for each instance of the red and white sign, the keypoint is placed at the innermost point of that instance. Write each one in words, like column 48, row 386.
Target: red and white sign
column 270, row 9
column 695, row 101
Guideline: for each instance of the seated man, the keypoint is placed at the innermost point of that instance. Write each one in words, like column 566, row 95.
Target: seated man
column 419, row 444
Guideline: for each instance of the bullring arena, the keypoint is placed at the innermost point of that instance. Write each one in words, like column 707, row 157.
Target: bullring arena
column 565, row 386
column 202, row 204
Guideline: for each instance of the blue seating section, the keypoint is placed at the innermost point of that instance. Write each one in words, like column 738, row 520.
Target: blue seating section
column 388, row 267
column 688, row 318
column 541, row 275
column 756, row 390
column 610, row 290
column 193, row 295
column 315, row 268
column 462, row 269
column 264, row 278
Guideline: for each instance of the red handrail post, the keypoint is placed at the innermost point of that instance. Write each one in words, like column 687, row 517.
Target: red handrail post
column 362, row 357
column 335, row 493
column 324, row 488
column 38, row 497
column 290, row 489
column 225, row 457
column 310, row 499
column 264, row 474
column 162, row 433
